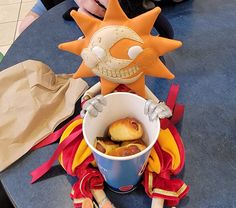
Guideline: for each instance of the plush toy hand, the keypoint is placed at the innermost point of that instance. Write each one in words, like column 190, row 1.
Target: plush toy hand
column 93, row 106
column 156, row 110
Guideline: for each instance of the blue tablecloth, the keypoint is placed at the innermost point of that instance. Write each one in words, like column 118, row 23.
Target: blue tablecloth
column 205, row 69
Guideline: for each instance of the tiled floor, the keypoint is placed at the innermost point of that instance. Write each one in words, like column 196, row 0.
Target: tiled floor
column 11, row 14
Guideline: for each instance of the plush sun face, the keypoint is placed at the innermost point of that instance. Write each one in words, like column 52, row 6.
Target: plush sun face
column 120, row 50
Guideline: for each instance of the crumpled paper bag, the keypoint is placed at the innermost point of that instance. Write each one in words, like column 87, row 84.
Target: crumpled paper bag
column 33, row 101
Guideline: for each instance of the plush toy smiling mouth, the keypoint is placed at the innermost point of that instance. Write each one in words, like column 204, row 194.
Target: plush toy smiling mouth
column 120, row 50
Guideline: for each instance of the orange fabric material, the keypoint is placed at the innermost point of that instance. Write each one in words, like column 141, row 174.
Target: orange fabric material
column 148, row 61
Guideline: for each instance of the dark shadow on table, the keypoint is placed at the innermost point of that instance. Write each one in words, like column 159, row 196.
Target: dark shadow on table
column 53, row 172
column 4, row 200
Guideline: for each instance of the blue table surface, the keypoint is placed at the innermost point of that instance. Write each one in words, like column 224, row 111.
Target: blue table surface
column 205, row 69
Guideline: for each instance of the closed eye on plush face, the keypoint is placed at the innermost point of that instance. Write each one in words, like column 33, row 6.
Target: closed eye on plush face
column 99, row 52
column 134, row 51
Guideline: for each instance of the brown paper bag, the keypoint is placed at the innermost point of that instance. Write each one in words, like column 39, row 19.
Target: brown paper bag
column 33, row 101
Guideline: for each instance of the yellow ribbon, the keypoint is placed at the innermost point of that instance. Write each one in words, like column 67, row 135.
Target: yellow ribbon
column 83, row 150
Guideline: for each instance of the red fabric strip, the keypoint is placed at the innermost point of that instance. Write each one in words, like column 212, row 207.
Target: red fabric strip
column 165, row 122
column 41, row 170
column 69, row 153
column 177, row 109
column 178, row 113
column 172, row 96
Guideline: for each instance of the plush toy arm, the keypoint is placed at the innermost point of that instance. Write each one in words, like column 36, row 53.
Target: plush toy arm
column 102, row 199
column 92, row 101
column 93, row 106
column 155, row 108
column 92, row 92
column 150, row 95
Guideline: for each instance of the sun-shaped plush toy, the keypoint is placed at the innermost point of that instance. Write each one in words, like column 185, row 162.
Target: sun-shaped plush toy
column 120, row 50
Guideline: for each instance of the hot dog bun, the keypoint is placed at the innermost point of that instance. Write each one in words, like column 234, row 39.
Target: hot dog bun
column 128, row 150
column 125, row 129
column 105, row 146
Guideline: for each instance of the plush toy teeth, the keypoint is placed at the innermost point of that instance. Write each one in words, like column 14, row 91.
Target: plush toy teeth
column 123, row 73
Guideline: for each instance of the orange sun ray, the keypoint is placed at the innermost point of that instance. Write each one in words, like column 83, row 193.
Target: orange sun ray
column 86, row 22
column 145, row 21
column 83, row 71
column 139, row 87
column 114, row 12
column 74, row 47
column 110, row 86
column 164, row 45
column 158, row 69
column 116, row 27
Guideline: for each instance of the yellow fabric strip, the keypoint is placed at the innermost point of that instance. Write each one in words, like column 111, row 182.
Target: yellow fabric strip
column 154, row 164
column 81, row 154
column 66, row 133
column 70, row 128
column 168, row 144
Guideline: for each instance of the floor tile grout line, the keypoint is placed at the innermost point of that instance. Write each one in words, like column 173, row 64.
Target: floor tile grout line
column 17, row 21
column 18, row 17
column 16, row 3
column 1, row 23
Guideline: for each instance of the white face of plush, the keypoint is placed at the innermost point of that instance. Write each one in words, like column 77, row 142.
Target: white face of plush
column 97, row 55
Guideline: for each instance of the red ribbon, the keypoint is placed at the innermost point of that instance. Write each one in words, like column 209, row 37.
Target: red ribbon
column 88, row 178
column 177, row 109
column 41, row 170
column 69, row 152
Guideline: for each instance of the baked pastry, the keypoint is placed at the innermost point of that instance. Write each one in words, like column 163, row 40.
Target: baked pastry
column 124, row 138
column 127, row 150
column 137, row 141
column 105, row 145
column 125, row 129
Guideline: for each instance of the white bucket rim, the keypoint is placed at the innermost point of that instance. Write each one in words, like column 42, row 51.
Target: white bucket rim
column 147, row 149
